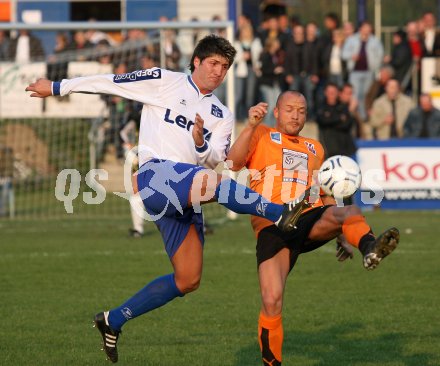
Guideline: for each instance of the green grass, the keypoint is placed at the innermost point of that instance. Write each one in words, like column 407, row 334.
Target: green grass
column 55, row 275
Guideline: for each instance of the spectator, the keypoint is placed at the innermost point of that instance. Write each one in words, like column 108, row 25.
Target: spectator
column 412, row 33
column 243, row 21
column 81, row 46
column 271, row 72
column 172, row 50
column 134, row 47
column 294, row 21
column 335, row 124
column 57, row 62
column 363, row 53
column 248, row 49
column 390, row 111
column 423, row 121
column 378, row 87
column 218, row 31
column 220, row 92
column 348, row 29
column 272, row 31
column 26, row 48
column 333, row 67
column 4, row 45
column 102, row 52
column 119, row 111
column 346, row 97
column 331, row 23
column 284, row 25
column 430, row 36
column 148, row 62
column 301, row 64
column 400, row 59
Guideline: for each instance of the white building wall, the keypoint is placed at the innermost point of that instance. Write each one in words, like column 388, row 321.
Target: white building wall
column 202, row 9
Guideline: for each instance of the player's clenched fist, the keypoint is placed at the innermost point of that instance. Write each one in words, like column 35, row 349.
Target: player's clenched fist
column 42, row 88
column 197, row 132
column 257, row 113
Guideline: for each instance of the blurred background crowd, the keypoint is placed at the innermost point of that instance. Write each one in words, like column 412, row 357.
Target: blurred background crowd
column 354, row 88
column 362, row 82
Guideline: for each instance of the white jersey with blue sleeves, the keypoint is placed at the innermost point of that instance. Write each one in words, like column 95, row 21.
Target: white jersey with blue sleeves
column 171, row 101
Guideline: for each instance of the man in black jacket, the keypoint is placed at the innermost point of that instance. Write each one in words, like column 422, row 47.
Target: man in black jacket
column 301, row 63
column 26, row 48
column 423, row 121
column 335, row 124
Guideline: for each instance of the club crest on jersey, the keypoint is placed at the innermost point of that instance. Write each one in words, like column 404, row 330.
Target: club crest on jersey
column 138, row 75
column 216, row 111
column 310, row 147
column 276, row 137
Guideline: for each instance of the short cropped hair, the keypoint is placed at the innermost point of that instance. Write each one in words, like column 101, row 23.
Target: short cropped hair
column 213, row 45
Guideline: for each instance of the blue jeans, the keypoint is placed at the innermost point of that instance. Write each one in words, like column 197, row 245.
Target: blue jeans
column 270, row 95
column 361, row 81
column 245, row 94
column 304, row 84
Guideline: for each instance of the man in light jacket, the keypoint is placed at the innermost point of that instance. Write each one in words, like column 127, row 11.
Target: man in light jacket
column 363, row 53
column 389, row 112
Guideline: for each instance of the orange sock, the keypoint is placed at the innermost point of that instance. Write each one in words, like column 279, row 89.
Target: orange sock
column 270, row 338
column 354, row 228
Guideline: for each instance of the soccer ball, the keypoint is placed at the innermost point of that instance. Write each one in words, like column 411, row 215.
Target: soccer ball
column 339, row 176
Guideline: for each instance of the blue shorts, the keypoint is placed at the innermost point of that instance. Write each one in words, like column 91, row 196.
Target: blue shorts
column 164, row 187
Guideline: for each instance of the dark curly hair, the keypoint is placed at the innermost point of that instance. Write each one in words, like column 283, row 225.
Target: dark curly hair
column 213, row 45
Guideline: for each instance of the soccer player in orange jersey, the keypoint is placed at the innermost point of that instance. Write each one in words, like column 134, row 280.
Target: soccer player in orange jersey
column 281, row 164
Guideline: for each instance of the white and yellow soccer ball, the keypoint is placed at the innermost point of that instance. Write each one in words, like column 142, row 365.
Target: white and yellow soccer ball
column 339, row 176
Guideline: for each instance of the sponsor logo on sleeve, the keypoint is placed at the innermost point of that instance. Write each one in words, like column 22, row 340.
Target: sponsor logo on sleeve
column 147, row 74
column 216, row 111
column 310, row 147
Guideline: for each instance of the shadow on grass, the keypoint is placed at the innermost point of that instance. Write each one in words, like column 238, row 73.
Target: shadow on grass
column 338, row 345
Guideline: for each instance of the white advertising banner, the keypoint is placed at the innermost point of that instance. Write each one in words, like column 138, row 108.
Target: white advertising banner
column 402, row 173
column 77, row 104
column 14, row 101
column 430, row 78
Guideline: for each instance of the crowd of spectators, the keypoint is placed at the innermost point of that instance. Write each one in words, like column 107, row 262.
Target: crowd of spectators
column 352, row 87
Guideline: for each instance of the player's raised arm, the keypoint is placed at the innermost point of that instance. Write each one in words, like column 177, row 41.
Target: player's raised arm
column 143, row 85
column 240, row 149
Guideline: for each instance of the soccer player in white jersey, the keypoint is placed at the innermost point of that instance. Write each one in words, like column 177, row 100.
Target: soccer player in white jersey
column 185, row 132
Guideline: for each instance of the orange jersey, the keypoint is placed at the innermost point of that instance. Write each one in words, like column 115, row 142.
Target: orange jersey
column 282, row 167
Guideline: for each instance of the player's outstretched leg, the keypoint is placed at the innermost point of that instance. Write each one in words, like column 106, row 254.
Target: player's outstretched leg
column 157, row 293
column 109, row 336
column 381, row 247
column 284, row 216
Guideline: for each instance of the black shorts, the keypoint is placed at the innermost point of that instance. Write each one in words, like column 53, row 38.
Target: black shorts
column 271, row 239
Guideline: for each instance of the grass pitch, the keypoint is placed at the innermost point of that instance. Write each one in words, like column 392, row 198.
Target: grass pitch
column 55, row 275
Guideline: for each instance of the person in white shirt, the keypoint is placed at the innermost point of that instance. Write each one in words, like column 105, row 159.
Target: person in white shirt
column 430, row 36
column 184, row 132
column 26, row 48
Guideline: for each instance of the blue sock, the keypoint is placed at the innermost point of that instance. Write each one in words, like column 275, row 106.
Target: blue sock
column 243, row 200
column 157, row 293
